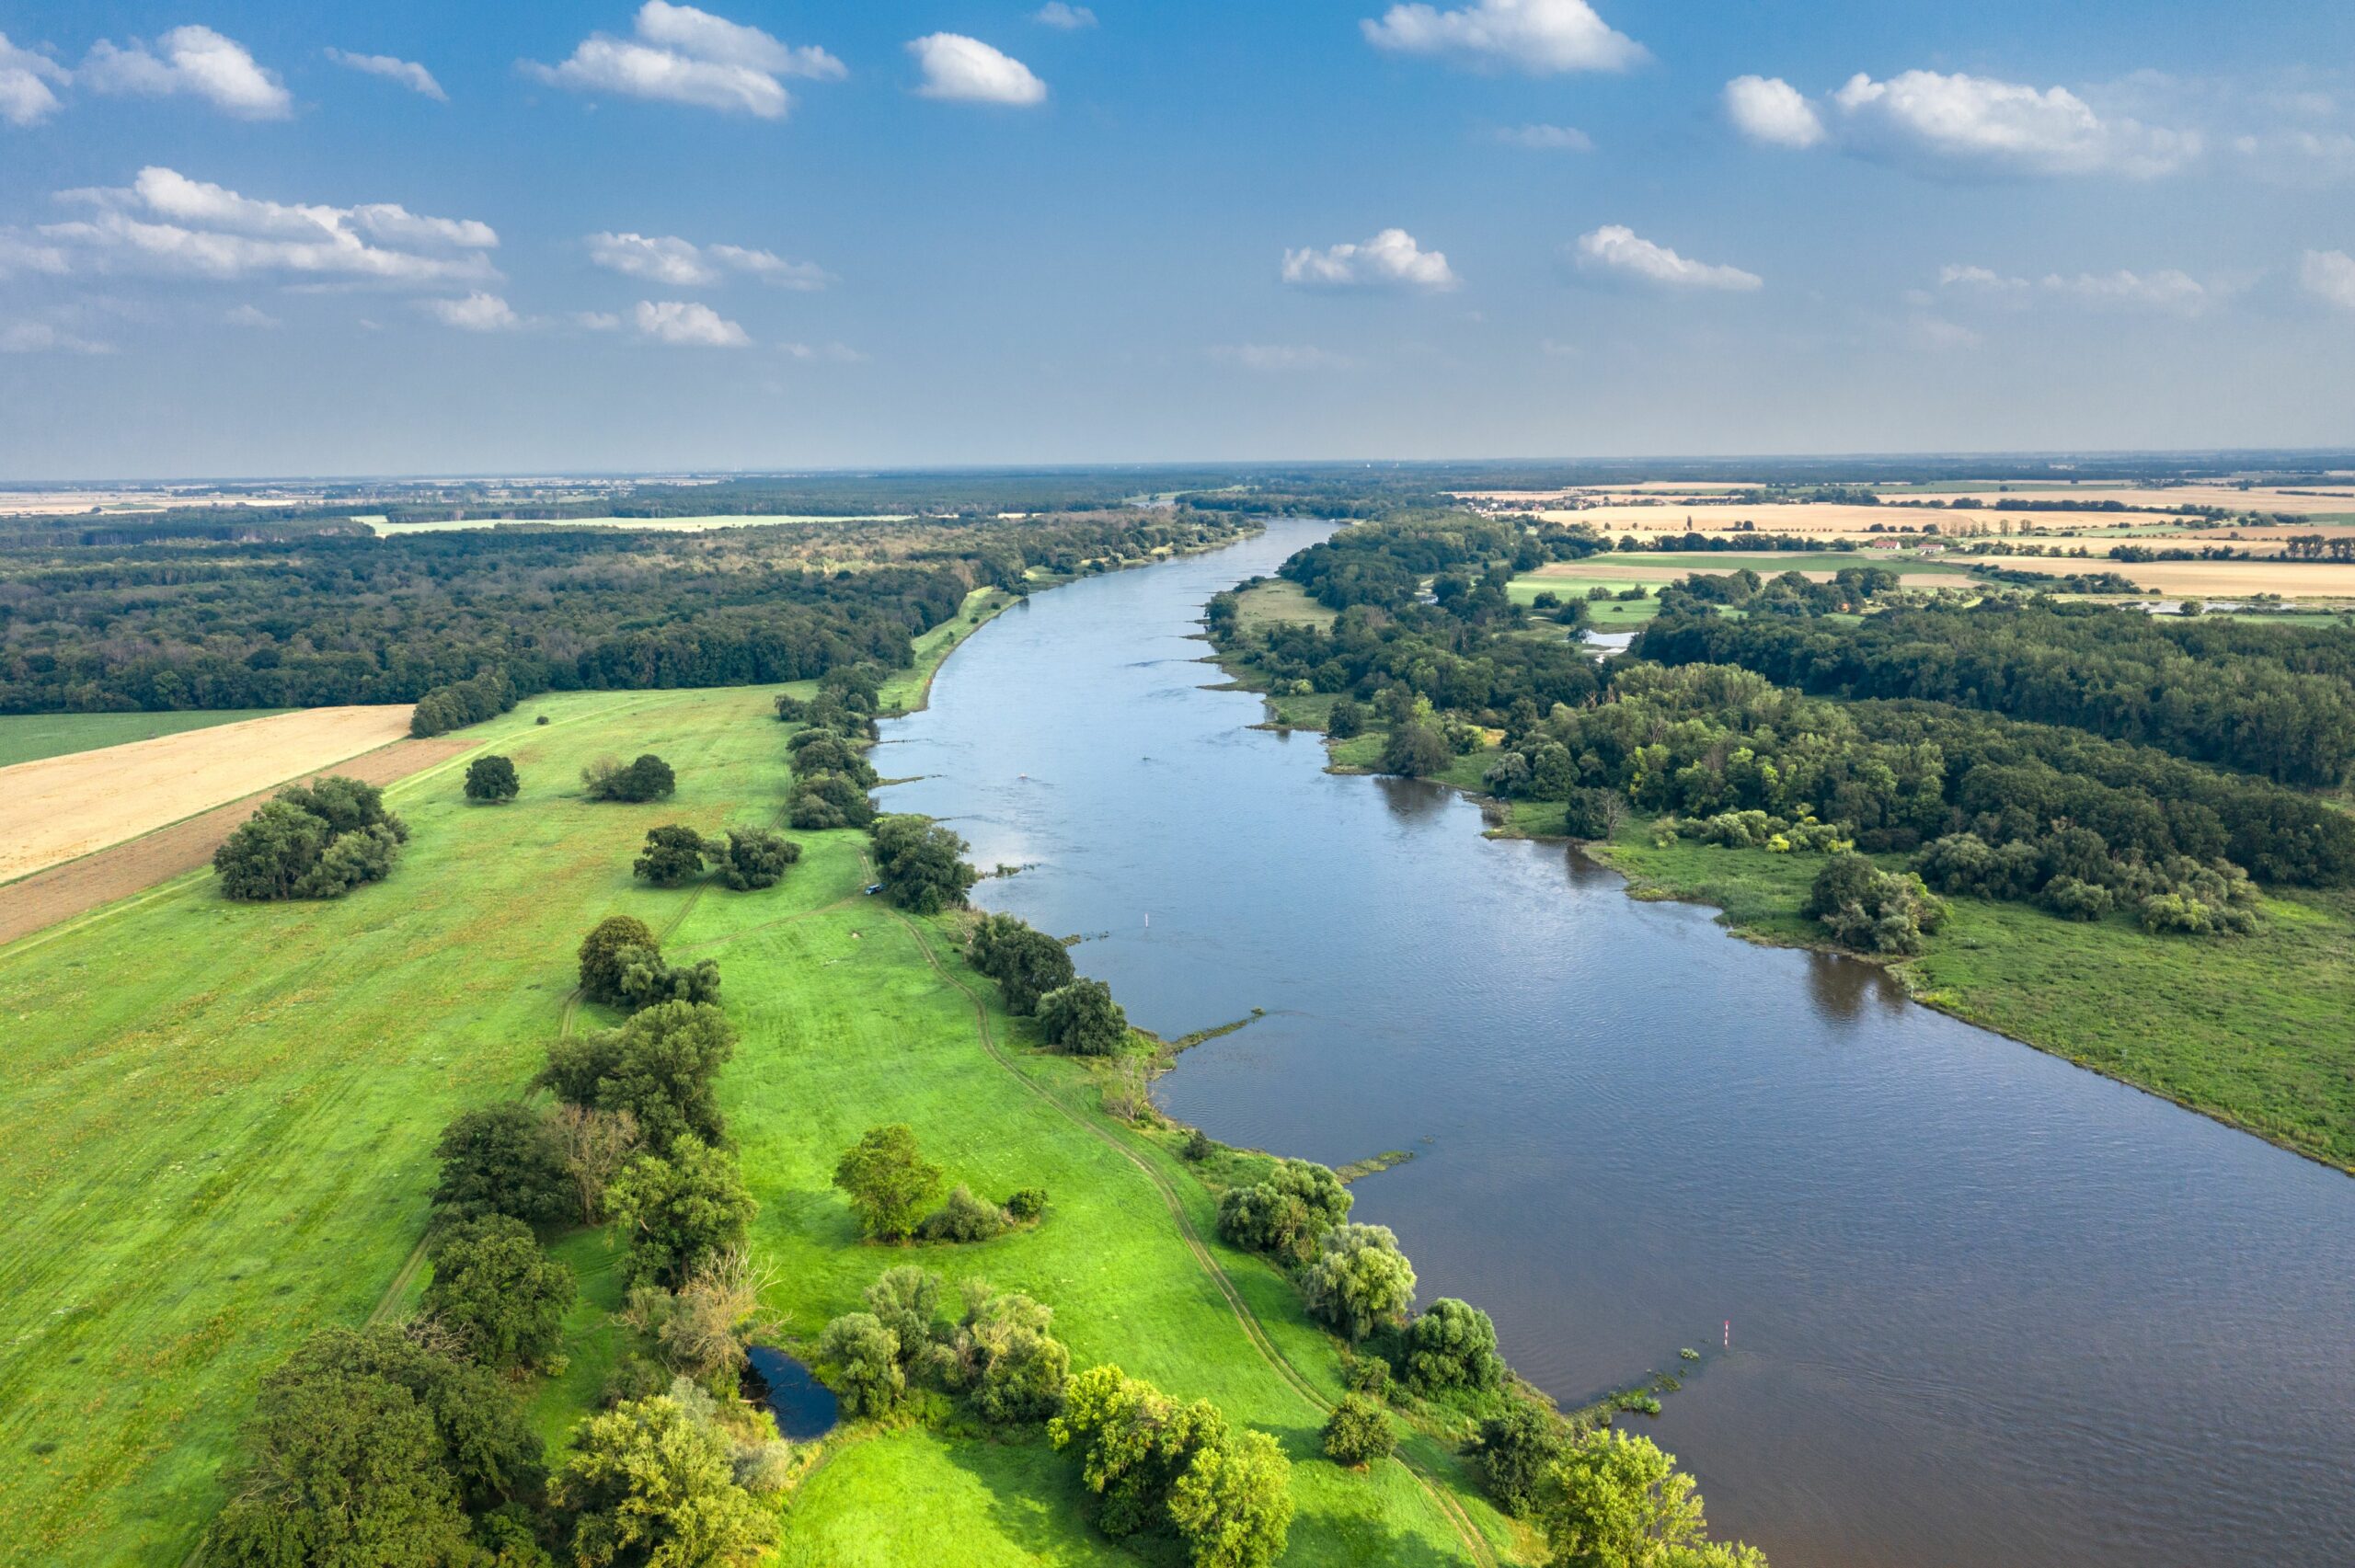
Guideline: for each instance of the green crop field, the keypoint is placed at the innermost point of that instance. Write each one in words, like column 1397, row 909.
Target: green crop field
column 27, row 737
column 217, row 1121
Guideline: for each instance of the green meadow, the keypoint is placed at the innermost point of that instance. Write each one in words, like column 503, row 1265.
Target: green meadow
column 27, row 737
column 216, row 1133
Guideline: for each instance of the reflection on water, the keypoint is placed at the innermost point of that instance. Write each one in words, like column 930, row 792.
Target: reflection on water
column 1985, row 1308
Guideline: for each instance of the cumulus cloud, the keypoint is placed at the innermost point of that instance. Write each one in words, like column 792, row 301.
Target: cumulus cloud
column 2328, row 276
column 165, row 222
column 2168, row 291
column 686, row 325
column 1540, row 36
column 42, row 338
column 966, row 70
column 26, row 98
column 407, row 73
column 1547, row 138
column 1391, row 260
column 1070, row 18
column 1278, row 358
column 1769, row 109
column 827, row 353
column 477, row 312
column 252, row 316
column 20, row 255
column 193, row 60
column 1961, row 125
column 682, row 264
column 1619, row 251
column 683, row 55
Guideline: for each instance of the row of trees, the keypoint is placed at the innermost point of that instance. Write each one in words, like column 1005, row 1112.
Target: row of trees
column 999, row 1355
column 317, row 841
column 463, row 703
column 746, row 859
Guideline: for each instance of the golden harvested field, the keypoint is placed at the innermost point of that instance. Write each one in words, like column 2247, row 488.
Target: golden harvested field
column 1801, row 518
column 643, row 524
column 2229, row 497
column 2220, row 580
column 59, row 808
column 1654, row 572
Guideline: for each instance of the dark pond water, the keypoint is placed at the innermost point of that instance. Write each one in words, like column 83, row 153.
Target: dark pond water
column 1986, row 1309
column 804, row 1407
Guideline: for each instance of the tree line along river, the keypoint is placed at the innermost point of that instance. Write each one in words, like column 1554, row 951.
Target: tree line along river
column 1984, row 1308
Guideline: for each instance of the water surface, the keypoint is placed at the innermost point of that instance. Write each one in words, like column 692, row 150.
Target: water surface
column 1985, row 1307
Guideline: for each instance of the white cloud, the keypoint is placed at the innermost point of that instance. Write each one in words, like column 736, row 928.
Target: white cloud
column 1979, row 124
column 829, row 353
column 191, row 60
column 41, row 338
column 2299, row 156
column 20, row 255
column 1769, row 109
column 1276, row 358
column 684, row 56
column 687, row 324
column 253, row 317
column 167, row 222
column 666, row 258
column 2328, row 276
column 478, row 312
column 407, row 73
column 1390, row 259
column 1070, row 18
column 1547, row 138
column 24, row 78
column 1617, row 249
column 1539, row 37
column 966, row 70
column 597, row 321
column 2168, row 292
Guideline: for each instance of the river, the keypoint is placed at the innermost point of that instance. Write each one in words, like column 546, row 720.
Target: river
column 1985, row 1307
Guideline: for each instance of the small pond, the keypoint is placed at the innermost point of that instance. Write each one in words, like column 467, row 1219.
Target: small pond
column 804, row 1407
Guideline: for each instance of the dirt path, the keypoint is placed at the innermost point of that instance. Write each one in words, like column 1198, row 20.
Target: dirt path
column 60, row 892
column 1253, row 1330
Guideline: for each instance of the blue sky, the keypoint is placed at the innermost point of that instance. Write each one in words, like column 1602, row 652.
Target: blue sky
column 241, row 239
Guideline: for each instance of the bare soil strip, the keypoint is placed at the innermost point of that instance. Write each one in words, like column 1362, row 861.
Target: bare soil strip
column 60, row 892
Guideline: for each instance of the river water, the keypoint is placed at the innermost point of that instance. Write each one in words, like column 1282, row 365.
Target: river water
column 1985, row 1308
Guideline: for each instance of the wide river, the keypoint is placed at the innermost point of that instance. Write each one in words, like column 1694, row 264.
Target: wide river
column 1986, row 1309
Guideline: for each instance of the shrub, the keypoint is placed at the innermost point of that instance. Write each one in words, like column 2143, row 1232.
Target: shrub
column 861, row 1359
column 503, row 1160
column 1286, row 1213
column 1870, row 910
column 1347, row 720
column 791, row 709
column 1516, row 1447
column 754, row 858
column 647, row 981
column 1360, row 1280
column 1016, row 1368
column 828, row 800
column 921, row 864
column 1026, row 963
column 1454, row 1345
column 906, row 1300
column 1027, row 1203
column 649, row 778
column 491, row 779
column 1359, row 1432
column 601, row 955
column 1198, row 1147
column 1613, row 1498
column 674, row 855
column 1160, row 1465
column 2076, row 900
column 311, row 842
column 502, row 1298
column 1083, row 1019
column 964, row 1217
column 888, row 1179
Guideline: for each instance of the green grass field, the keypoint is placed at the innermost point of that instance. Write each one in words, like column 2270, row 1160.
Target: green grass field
column 1280, row 602
column 216, row 1127
column 27, row 737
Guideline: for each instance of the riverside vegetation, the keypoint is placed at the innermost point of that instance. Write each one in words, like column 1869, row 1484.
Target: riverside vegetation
column 2118, row 837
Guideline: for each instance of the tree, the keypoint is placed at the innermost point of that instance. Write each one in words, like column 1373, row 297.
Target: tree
column 660, row 1067
column 317, row 841
column 1617, row 1502
column 648, row 1484
column 921, row 864
column 596, row 1144
column 889, row 1182
column 1232, row 1507
column 964, row 1217
column 674, row 855
column 365, row 1450
column 1516, row 1447
column 1360, row 1280
column 503, row 1297
column 862, row 1358
column 1083, row 1019
column 1019, row 1368
column 491, row 779
column 600, row 972
column 1454, row 1345
column 647, row 981
column 680, row 1211
column 1417, row 749
column 755, row 858
column 647, row 778
column 1025, row 961
column 1135, row 1442
column 1871, row 911
column 906, row 1300
column 1359, row 1432
column 503, row 1159
column 701, row 1328
column 1347, row 720
column 827, row 800
column 1287, row 1212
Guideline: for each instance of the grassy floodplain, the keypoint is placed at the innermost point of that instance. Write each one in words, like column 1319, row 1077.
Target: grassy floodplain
column 27, row 737
column 216, row 1131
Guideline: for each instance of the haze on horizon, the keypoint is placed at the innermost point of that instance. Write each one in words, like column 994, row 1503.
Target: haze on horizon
column 238, row 238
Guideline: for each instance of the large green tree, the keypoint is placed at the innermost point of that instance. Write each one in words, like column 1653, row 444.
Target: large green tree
column 678, row 1210
column 1083, row 1019
column 661, row 1066
column 601, row 955
column 500, row 1294
column 647, row 1484
column 493, row 779
column 922, row 864
column 889, row 1183
column 1360, row 1280
column 674, row 855
column 1025, row 961
column 1287, row 1211
column 504, row 1159
column 1616, row 1501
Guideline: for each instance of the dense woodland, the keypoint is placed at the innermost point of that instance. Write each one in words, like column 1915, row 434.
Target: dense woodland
column 328, row 618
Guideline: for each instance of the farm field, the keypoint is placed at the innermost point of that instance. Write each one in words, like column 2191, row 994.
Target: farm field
column 29, row 737
column 62, row 806
column 1278, row 601
column 270, row 1082
column 1655, row 571
column 2292, row 580
column 380, row 526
